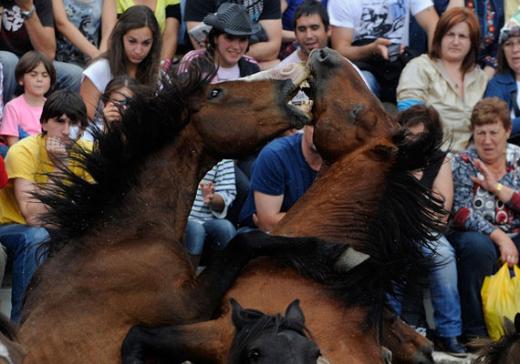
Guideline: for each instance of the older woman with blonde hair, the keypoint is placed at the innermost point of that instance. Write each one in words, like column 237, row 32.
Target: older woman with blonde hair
column 448, row 78
column 486, row 206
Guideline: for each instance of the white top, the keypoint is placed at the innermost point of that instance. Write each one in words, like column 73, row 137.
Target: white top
column 372, row 19
column 294, row 57
column 228, row 73
column 99, row 74
column 222, row 175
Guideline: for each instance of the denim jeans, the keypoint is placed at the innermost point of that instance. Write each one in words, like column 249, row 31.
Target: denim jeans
column 443, row 290
column 21, row 242
column 68, row 75
column 477, row 258
column 217, row 232
column 372, row 82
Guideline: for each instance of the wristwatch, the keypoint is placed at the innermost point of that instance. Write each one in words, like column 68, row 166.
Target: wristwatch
column 27, row 14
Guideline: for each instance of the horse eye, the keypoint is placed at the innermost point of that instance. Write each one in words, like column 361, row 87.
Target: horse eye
column 214, row 93
column 254, row 354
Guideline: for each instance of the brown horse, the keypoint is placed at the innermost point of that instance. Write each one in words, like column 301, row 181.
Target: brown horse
column 117, row 257
column 356, row 233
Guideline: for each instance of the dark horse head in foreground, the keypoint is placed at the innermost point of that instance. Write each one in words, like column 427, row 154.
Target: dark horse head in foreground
column 272, row 339
column 117, row 256
column 504, row 351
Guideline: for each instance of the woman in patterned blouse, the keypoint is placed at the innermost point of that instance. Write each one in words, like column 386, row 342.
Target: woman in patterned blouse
column 486, row 206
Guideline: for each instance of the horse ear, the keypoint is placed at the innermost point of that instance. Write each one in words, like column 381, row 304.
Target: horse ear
column 237, row 314
column 294, row 312
column 509, row 326
column 517, row 323
column 383, row 152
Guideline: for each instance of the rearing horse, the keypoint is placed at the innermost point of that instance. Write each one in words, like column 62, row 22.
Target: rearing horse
column 358, row 231
column 117, row 257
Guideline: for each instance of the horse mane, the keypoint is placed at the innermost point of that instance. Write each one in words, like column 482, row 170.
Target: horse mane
column 395, row 237
column 262, row 323
column 152, row 121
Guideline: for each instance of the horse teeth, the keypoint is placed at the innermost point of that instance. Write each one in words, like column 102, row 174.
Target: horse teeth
column 305, row 84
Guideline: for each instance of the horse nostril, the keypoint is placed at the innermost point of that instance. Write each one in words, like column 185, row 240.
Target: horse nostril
column 323, row 55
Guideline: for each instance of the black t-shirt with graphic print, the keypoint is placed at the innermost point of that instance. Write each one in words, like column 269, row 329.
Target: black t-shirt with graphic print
column 13, row 36
column 196, row 10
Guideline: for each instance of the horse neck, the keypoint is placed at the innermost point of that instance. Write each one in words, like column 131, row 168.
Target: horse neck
column 164, row 194
column 341, row 202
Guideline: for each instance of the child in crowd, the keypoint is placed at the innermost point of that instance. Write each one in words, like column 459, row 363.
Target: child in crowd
column 28, row 163
column 114, row 101
column 207, row 222
column 36, row 74
column 116, row 97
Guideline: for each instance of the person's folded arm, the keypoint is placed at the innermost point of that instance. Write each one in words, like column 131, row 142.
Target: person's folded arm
column 65, row 27
column 267, row 210
column 30, row 208
column 268, row 51
column 428, row 19
column 413, row 85
column 108, row 21
column 341, row 39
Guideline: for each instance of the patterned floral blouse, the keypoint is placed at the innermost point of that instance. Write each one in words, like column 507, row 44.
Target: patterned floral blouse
column 476, row 209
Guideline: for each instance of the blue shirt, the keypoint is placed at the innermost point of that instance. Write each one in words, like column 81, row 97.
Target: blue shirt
column 280, row 169
column 503, row 85
column 289, row 14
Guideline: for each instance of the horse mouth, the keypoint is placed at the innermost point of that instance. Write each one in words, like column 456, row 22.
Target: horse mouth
column 292, row 80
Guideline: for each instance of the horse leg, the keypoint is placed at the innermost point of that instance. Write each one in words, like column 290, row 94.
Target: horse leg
column 200, row 343
column 225, row 266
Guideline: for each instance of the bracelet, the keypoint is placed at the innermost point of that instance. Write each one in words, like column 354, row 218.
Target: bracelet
column 499, row 187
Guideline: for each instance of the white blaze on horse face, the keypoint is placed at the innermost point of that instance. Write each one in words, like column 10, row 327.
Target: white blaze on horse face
column 4, row 354
column 322, row 360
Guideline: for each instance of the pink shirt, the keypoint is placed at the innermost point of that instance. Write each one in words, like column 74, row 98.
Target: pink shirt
column 19, row 114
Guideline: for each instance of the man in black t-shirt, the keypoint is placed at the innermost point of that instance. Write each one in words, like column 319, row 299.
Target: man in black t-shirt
column 266, row 13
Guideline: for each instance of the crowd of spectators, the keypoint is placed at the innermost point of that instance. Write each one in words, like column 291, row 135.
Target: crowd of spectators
column 448, row 66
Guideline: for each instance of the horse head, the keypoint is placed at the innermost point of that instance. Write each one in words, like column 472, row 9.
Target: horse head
column 504, row 351
column 262, row 338
column 407, row 346
column 234, row 118
column 346, row 114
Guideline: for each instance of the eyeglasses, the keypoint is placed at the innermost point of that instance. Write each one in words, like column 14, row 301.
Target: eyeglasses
column 121, row 103
column 511, row 43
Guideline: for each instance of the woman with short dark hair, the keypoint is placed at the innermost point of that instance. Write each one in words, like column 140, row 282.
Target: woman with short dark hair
column 486, row 207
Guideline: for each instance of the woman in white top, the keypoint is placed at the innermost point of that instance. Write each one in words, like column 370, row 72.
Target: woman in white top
column 448, row 78
column 134, row 49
